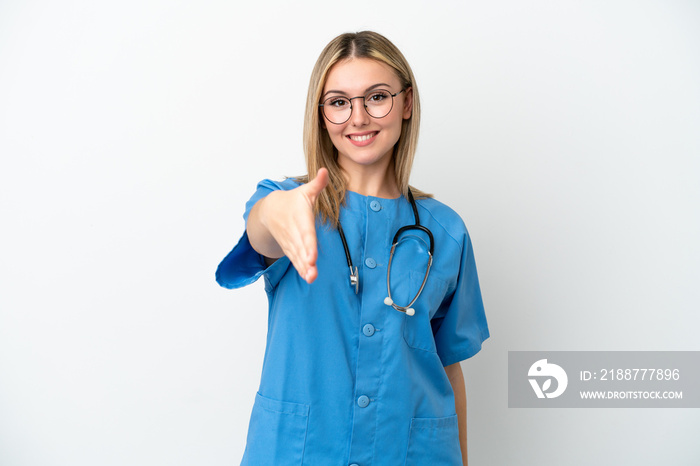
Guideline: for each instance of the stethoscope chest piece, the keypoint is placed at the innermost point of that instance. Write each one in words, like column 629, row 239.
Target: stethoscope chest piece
column 354, row 279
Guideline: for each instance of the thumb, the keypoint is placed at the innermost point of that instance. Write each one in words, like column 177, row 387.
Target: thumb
column 315, row 186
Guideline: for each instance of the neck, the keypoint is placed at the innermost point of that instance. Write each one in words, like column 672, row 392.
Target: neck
column 372, row 181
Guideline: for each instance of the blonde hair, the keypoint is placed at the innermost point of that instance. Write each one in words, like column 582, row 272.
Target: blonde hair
column 318, row 148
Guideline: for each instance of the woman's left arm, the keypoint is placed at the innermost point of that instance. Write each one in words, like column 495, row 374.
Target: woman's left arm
column 454, row 373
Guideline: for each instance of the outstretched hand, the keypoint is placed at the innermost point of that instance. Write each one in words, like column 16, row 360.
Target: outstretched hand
column 289, row 218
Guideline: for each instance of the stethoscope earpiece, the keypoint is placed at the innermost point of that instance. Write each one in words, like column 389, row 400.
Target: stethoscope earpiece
column 408, row 310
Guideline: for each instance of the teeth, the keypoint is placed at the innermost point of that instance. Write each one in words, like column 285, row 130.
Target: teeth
column 362, row 138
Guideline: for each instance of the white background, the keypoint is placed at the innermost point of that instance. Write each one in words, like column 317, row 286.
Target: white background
column 566, row 133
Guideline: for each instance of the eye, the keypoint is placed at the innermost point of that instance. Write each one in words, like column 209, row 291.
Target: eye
column 377, row 96
column 337, row 102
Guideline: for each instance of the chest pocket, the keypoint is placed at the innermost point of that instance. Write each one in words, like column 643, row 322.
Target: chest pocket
column 417, row 331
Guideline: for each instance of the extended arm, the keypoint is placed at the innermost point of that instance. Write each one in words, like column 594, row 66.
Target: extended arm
column 456, row 377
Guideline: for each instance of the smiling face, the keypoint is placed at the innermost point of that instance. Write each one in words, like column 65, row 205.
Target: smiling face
column 363, row 141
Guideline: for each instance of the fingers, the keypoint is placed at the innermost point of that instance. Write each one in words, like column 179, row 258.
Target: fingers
column 306, row 254
column 314, row 187
column 311, row 256
column 296, row 236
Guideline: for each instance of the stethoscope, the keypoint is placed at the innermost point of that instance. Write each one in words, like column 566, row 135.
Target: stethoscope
column 355, row 277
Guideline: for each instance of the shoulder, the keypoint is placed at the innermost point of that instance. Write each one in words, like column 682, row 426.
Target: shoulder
column 284, row 185
column 442, row 218
column 264, row 188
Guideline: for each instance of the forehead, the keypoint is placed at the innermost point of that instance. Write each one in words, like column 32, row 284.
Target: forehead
column 355, row 75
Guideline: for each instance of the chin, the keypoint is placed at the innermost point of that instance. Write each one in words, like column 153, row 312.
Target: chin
column 363, row 159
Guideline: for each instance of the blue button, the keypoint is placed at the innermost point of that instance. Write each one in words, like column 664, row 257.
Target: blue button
column 375, row 206
column 363, row 401
column 371, row 263
column 354, row 464
column 368, row 330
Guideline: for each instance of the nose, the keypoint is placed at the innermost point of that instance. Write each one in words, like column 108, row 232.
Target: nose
column 359, row 115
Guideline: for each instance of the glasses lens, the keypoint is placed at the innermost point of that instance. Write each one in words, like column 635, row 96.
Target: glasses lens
column 337, row 109
column 379, row 103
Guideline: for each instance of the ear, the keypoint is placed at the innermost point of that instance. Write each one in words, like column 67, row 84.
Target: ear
column 408, row 103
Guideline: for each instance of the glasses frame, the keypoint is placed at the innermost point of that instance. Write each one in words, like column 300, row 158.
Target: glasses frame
column 364, row 104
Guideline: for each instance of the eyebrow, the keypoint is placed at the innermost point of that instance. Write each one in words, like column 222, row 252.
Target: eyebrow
column 333, row 91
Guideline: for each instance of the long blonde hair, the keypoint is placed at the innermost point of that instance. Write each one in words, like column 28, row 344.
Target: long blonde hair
column 319, row 149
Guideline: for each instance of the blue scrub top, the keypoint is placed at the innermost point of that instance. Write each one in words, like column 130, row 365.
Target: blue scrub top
column 346, row 379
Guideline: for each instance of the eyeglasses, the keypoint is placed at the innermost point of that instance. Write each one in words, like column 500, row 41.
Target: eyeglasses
column 378, row 104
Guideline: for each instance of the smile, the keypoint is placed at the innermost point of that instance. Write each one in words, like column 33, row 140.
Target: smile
column 362, row 137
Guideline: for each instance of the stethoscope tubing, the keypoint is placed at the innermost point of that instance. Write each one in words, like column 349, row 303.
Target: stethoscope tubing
column 354, row 275
column 389, row 300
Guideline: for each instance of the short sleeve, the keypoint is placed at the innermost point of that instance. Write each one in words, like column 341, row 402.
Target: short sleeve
column 459, row 326
column 244, row 265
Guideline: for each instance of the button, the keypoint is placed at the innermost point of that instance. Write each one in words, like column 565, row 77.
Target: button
column 354, row 464
column 371, row 263
column 375, row 206
column 363, row 401
column 368, row 330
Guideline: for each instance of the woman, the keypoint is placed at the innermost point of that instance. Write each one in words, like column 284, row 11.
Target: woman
column 364, row 340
